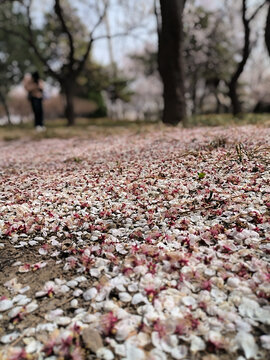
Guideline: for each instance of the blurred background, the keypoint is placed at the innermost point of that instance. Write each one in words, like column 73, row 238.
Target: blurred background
column 99, row 58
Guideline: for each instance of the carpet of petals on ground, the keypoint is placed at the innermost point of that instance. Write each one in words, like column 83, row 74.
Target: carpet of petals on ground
column 149, row 246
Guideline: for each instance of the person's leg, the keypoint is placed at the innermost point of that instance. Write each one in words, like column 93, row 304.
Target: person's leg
column 35, row 110
column 39, row 113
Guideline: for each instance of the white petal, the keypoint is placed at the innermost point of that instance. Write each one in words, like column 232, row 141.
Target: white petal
column 120, row 349
column 139, row 298
column 23, row 290
column 74, row 303
column 32, row 346
column 125, row 297
column 46, row 327
column 90, row 294
column 63, row 320
column 189, row 301
column 95, row 272
column 15, row 311
column 77, row 292
column 247, row 343
column 197, row 344
column 133, row 352
column 233, row 282
column 72, row 283
column 80, row 279
column 104, row 354
column 179, row 352
column 6, row 339
column 5, row 304
column 64, row 289
column 157, row 354
column 132, row 287
column 265, row 340
column 31, row 307
column 156, row 340
column 42, row 251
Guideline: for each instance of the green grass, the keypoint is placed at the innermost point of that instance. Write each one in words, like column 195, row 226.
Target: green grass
column 84, row 128
column 94, row 128
column 228, row 120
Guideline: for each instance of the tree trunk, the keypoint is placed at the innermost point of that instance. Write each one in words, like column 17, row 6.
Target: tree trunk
column 201, row 101
column 235, row 102
column 170, row 60
column 68, row 90
column 218, row 103
column 194, row 94
column 5, row 105
column 267, row 29
column 233, row 84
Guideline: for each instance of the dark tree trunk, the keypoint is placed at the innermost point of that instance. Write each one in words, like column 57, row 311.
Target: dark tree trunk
column 170, row 60
column 68, row 90
column 194, row 94
column 218, row 103
column 233, row 84
column 267, row 29
column 5, row 105
column 235, row 102
column 69, row 110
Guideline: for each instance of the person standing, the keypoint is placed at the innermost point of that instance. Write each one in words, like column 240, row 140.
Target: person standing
column 34, row 86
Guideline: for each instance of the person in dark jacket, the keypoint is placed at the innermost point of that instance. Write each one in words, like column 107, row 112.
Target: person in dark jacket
column 34, row 86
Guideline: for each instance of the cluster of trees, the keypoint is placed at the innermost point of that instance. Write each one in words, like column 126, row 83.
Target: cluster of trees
column 207, row 57
column 198, row 52
column 60, row 48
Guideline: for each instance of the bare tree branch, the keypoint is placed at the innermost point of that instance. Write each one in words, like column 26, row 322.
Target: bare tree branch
column 100, row 19
column 82, row 62
column 267, row 29
column 157, row 15
column 233, row 83
column 256, row 11
column 2, row 2
column 59, row 13
column 32, row 43
column 126, row 33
